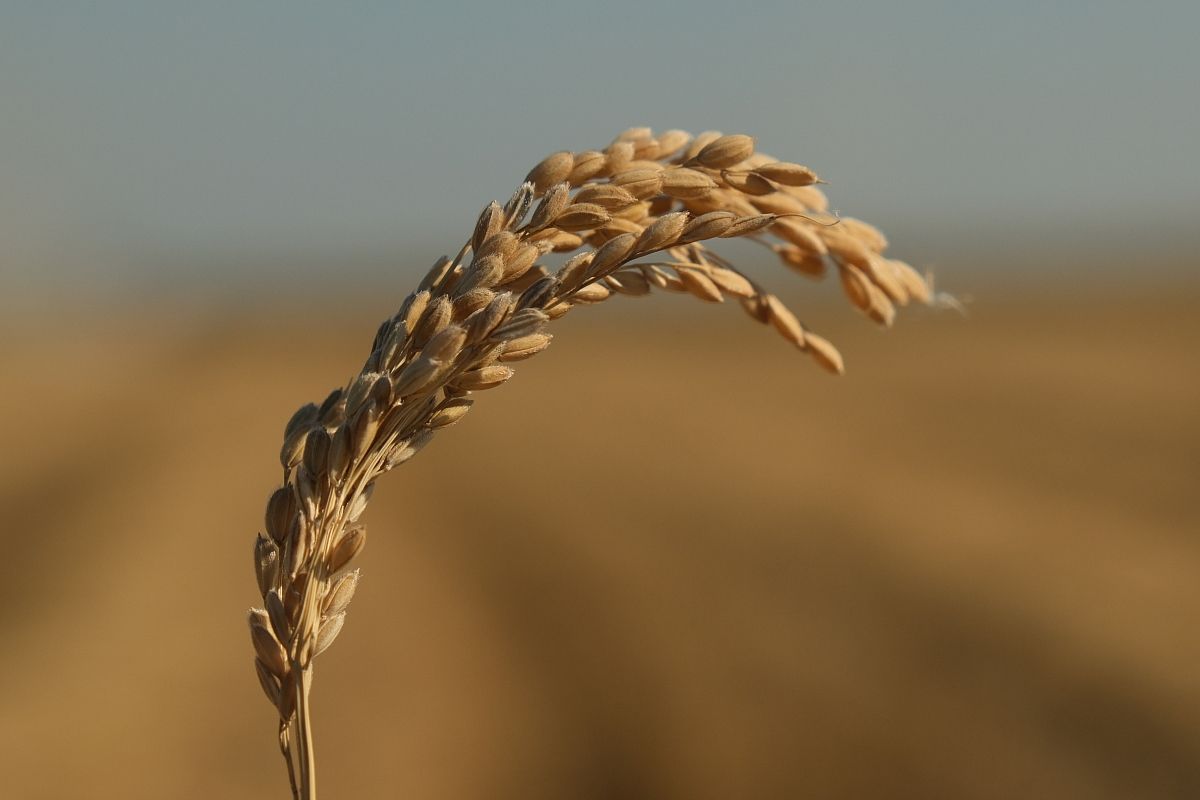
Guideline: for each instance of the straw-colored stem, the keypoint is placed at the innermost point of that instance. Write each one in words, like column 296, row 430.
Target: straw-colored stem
column 285, row 749
column 305, row 753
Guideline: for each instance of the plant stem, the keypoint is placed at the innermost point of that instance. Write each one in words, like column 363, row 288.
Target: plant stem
column 305, row 754
column 285, row 748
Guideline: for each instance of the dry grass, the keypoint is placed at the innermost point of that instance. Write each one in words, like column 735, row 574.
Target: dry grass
column 639, row 213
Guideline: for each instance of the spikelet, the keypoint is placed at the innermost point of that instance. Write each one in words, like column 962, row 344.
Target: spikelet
column 725, row 151
column 787, row 174
column 553, row 169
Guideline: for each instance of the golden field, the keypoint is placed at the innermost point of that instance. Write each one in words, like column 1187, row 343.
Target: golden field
column 671, row 559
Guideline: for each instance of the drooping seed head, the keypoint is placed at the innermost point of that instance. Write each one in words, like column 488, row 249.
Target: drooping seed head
column 455, row 334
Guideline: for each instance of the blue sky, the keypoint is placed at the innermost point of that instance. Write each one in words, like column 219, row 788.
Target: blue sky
column 158, row 141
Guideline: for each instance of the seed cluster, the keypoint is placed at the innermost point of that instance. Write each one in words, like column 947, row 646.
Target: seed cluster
column 639, row 213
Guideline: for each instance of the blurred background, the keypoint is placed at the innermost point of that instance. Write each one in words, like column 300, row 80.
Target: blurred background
column 672, row 559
